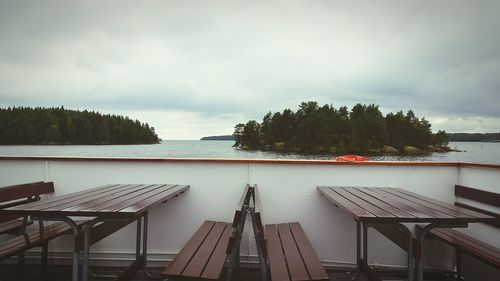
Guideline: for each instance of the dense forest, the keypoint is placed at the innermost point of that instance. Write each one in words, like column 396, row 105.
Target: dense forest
column 493, row 137
column 26, row 125
column 325, row 129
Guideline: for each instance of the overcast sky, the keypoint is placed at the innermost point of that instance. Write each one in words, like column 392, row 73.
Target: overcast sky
column 197, row 68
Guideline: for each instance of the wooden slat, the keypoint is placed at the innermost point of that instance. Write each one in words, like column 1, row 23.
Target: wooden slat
column 239, row 208
column 14, row 192
column 99, row 198
column 309, row 256
column 128, row 200
column 486, row 197
column 213, row 270
column 167, row 192
column 10, row 225
column 381, row 204
column 259, row 220
column 111, row 200
column 175, row 268
column 340, row 201
column 467, row 246
column 468, row 240
column 368, row 206
column 72, row 197
column 200, row 259
column 443, row 206
column 393, row 201
column 34, row 238
column 277, row 262
column 410, row 202
column 296, row 267
column 494, row 221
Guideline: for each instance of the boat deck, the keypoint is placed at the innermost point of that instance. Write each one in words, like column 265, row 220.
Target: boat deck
column 8, row 272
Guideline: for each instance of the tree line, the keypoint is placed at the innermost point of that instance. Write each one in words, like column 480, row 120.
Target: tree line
column 26, row 125
column 486, row 137
column 319, row 129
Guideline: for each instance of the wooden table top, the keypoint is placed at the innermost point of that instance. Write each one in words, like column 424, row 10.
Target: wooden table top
column 384, row 204
column 109, row 201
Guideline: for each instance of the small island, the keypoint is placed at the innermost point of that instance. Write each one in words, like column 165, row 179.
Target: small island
column 39, row 126
column 223, row 137
column 315, row 129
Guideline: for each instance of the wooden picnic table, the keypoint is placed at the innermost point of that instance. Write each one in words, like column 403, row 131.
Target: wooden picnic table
column 107, row 209
column 382, row 208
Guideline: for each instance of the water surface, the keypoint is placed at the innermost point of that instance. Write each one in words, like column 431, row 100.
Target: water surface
column 479, row 152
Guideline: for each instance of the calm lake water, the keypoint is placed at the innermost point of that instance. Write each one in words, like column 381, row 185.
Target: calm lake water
column 472, row 151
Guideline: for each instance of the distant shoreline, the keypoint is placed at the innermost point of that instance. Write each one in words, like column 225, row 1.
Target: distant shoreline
column 223, row 137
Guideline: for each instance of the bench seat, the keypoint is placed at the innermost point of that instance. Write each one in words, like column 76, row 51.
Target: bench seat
column 11, row 226
column 468, row 245
column 34, row 238
column 291, row 255
column 204, row 255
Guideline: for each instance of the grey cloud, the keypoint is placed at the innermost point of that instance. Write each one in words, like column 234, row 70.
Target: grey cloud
column 440, row 58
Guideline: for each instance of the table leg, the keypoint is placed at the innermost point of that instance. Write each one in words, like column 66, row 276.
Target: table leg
column 86, row 248
column 365, row 247
column 421, row 237
column 359, row 262
column 408, row 233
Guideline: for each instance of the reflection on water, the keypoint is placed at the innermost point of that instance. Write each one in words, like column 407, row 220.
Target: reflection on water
column 472, row 151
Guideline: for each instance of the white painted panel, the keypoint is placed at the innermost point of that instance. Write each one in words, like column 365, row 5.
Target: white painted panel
column 288, row 194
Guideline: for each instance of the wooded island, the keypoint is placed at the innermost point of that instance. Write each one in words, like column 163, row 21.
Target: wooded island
column 26, row 125
column 325, row 129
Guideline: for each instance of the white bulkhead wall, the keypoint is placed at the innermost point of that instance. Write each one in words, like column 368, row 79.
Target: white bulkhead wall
column 288, row 192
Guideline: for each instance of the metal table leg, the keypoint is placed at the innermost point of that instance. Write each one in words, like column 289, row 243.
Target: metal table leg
column 86, row 247
column 421, row 237
column 76, row 231
column 410, row 243
column 359, row 261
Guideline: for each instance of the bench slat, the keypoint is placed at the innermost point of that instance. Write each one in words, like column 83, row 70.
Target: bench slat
column 468, row 242
column 243, row 200
column 214, row 266
column 33, row 239
column 311, row 260
column 478, row 195
column 294, row 261
column 176, row 267
column 200, row 259
column 468, row 245
column 277, row 260
column 21, row 191
column 10, row 225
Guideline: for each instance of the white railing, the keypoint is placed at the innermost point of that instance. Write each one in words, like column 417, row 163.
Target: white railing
column 288, row 190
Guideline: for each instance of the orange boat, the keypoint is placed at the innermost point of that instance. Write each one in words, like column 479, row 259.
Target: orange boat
column 350, row 158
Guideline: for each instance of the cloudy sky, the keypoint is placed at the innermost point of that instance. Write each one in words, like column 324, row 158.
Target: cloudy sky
column 197, row 68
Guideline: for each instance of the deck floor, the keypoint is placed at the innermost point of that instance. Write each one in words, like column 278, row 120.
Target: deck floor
column 63, row 273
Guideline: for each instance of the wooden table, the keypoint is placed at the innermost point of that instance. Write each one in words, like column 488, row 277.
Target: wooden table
column 391, row 207
column 111, row 206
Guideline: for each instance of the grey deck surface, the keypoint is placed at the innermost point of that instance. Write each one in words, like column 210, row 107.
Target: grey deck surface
column 63, row 273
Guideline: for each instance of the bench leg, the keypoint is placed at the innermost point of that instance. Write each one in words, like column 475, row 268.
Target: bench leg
column 21, row 259
column 234, row 258
column 459, row 275
column 260, row 251
column 44, row 262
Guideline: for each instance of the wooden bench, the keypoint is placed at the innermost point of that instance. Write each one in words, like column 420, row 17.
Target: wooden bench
column 464, row 244
column 203, row 257
column 12, row 225
column 286, row 246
